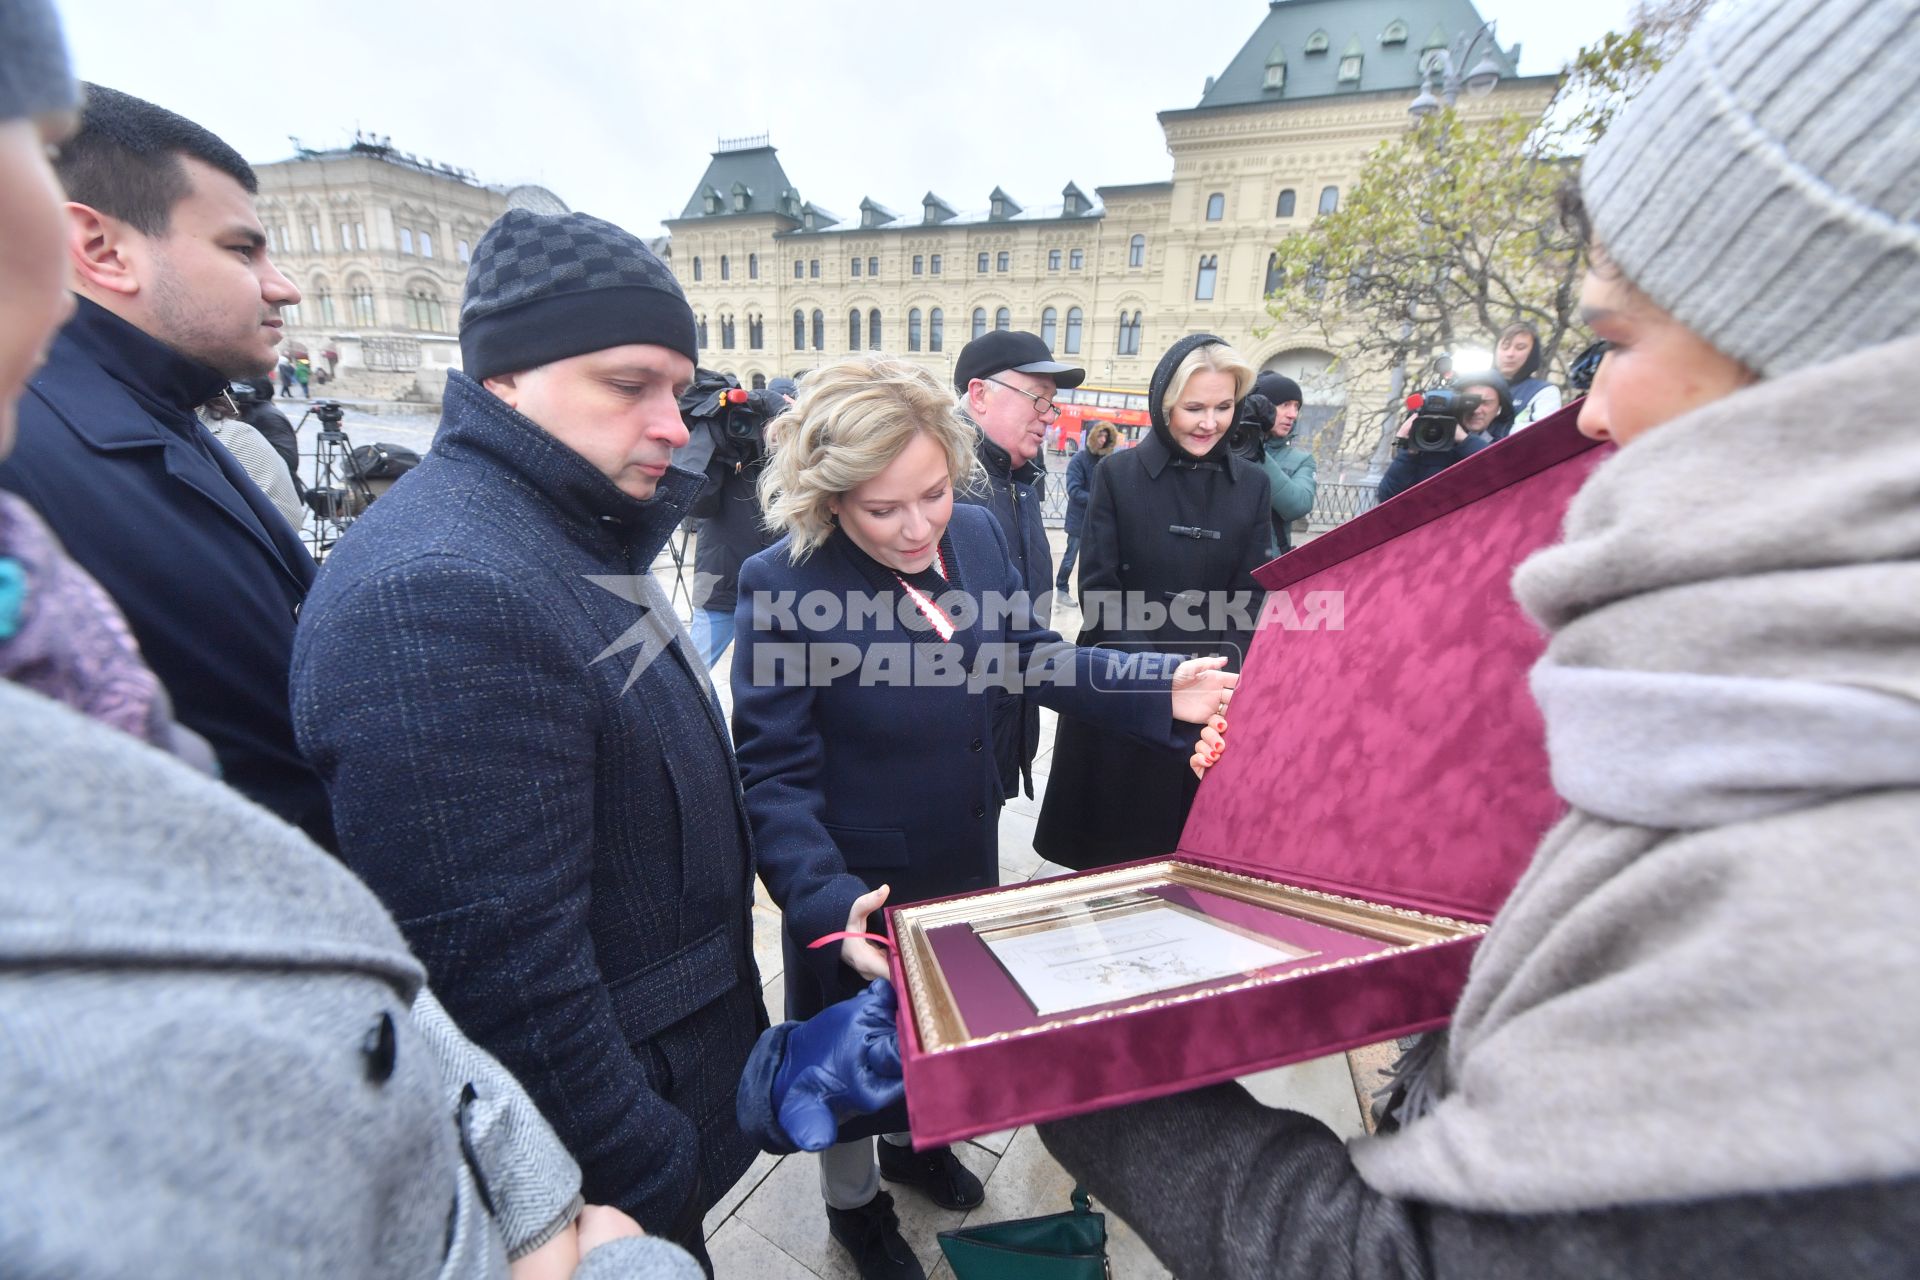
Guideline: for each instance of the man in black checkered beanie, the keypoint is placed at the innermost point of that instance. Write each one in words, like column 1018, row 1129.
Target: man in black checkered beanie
column 524, row 752
column 546, row 286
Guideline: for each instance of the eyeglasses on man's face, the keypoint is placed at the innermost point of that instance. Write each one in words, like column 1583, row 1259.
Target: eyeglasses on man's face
column 1041, row 405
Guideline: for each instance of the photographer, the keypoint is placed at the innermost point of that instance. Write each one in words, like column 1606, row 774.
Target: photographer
column 1433, row 438
column 728, row 427
column 1290, row 469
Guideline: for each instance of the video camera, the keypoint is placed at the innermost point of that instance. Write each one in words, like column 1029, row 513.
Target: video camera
column 735, row 418
column 1248, row 434
column 331, row 415
column 1436, row 416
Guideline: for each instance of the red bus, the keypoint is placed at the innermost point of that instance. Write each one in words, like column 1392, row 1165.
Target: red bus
column 1125, row 409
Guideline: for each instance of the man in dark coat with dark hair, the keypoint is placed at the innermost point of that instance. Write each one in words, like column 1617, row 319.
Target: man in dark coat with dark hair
column 526, row 758
column 1006, row 380
column 176, row 297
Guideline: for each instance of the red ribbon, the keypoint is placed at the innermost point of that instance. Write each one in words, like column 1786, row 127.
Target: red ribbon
column 844, row 934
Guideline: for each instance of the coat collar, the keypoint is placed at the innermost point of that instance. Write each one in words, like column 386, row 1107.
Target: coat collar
column 999, row 463
column 169, row 385
column 475, row 421
column 1158, row 456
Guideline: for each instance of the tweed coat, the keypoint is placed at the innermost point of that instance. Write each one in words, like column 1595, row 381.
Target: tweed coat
column 531, row 771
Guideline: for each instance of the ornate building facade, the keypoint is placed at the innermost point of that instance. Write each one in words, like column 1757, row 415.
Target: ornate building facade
column 780, row 284
column 378, row 242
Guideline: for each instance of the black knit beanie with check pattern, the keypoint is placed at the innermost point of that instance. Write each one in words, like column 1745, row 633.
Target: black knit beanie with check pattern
column 544, row 287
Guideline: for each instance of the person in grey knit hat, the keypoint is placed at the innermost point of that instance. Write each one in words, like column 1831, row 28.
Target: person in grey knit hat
column 1687, row 1044
column 220, row 1057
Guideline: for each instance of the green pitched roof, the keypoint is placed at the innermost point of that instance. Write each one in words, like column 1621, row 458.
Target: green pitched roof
column 755, row 168
column 1353, row 26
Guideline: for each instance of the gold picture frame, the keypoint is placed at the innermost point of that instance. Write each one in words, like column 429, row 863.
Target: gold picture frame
column 942, row 1025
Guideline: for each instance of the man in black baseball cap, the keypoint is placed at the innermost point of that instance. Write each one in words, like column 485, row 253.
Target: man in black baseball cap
column 1007, row 381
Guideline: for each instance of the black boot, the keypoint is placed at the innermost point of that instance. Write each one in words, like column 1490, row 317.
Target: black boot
column 936, row 1171
column 871, row 1234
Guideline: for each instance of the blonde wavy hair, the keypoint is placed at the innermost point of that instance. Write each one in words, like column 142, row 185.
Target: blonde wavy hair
column 853, row 418
column 1217, row 356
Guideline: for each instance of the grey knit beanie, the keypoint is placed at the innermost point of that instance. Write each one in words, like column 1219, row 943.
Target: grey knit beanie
column 35, row 76
column 1764, row 187
column 543, row 287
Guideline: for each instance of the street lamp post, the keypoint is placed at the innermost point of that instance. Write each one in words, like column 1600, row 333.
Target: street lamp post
column 1478, row 82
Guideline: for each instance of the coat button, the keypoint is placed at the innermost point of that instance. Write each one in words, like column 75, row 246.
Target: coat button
column 974, row 745
column 381, row 1049
column 979, row 811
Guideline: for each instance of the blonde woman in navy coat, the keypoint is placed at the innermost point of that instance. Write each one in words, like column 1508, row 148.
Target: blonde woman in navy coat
column 871, row 777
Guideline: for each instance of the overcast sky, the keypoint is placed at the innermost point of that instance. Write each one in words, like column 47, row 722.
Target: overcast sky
column 616, row 106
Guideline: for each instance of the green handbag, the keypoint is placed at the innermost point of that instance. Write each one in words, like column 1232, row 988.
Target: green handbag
column 1059, row 1246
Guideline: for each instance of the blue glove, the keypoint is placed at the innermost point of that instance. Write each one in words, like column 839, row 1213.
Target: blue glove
column 844, row 1061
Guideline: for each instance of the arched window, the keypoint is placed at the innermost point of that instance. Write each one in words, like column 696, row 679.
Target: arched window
column 463, row 251
column 1203, row 283
column 799, row 330
column 1049, row 327
column 873, row 329
column 362, row 295
column 406, row 245
column 1053, row 259
column 696, row 268
column 936, row 330
column 426, row 244
column 1273, row 274
column 913, row 329
column 853, row 329
column 1004, row 261
column 700, row 339
column 423, row 309
column 819, row 330
column 1329, row 199
column 1077, row 260
column 1129, row 334
column 1003, row 320
column 1137, row 252
column 979, row 321
column 1283, row 208
column 1216, row 206
column 753, row 272
column 726, row 333
column 756, row 333
column 726, row 268
column 322, row 296
column 1074, row 320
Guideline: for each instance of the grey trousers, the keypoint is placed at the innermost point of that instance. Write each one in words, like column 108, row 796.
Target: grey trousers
column 849, row 1174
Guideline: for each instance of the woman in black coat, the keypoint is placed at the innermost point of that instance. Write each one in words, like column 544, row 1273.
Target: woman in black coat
column 868, row 767
column 1175, row 529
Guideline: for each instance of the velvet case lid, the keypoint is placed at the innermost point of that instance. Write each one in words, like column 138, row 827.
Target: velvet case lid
column 1382, row 742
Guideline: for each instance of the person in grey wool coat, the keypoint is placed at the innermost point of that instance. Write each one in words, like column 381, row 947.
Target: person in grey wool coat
column 216, row 1055
column 1687, row 1045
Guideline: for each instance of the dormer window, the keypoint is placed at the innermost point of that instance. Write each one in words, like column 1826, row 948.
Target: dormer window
column 741, row 198
column 1350, row 62
column 999, row 207
column 1396, row 33
column 1318, row 42
column 1276, row 76
column 712, row 201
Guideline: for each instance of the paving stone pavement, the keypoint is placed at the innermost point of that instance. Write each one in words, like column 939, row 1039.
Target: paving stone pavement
column 772, row 1225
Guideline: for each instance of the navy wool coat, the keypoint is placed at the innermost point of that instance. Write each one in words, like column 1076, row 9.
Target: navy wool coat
column 852, row 784
column 208, row 573
column 559, row 834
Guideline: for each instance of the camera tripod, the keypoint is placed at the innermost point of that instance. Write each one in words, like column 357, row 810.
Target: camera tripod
column 338, row 492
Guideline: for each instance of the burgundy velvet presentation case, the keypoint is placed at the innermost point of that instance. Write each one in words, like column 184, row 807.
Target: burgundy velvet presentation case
column 1385, row 763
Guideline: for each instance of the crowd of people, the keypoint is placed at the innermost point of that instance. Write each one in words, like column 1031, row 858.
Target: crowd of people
column 394, row 917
